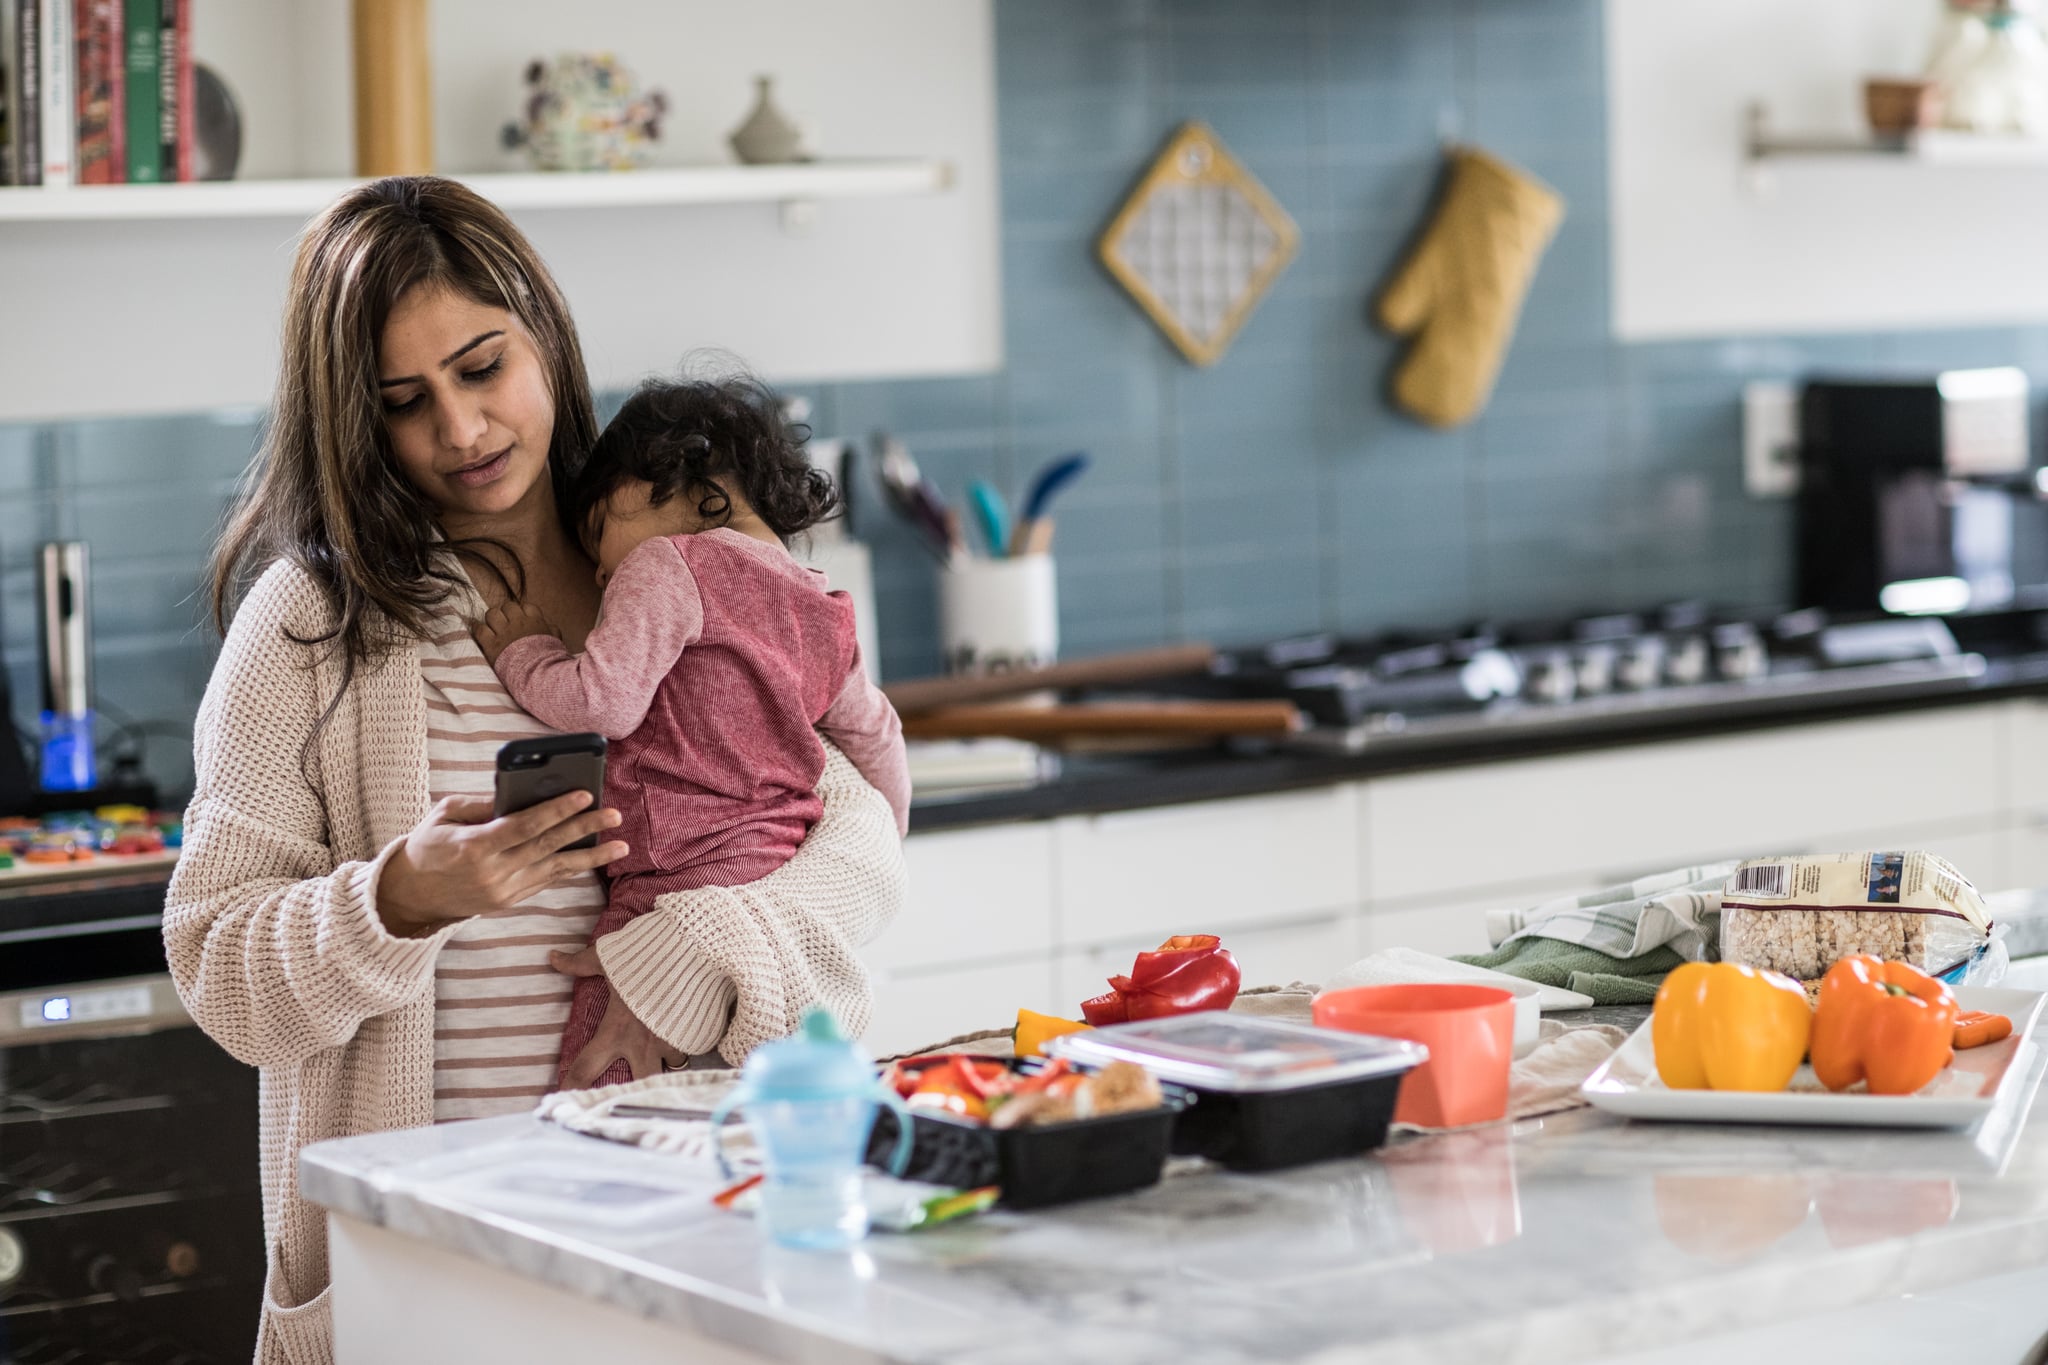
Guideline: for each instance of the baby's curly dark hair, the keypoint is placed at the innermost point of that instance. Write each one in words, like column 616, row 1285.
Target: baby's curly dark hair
column 700, row 437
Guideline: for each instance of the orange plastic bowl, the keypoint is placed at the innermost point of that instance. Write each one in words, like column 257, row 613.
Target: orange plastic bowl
column 1470, row 1034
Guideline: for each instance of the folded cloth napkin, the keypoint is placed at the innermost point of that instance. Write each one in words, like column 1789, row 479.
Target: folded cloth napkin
column 592, row 1112
column 1406, row 966
column 1680, row 910
column 1606, row 980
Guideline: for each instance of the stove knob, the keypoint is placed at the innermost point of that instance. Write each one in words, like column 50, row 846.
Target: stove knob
column 1641, row 665
column 1548, row 677
column 1739, row 653
column 1686, row 662
column 1596, row 669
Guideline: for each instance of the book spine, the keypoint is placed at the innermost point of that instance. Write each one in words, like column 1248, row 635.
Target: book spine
column 10, row 86
column 28, row 103
column 172, row 117
column 145, row 158
column 188, row 105
column 59, row 60
column 101, row 158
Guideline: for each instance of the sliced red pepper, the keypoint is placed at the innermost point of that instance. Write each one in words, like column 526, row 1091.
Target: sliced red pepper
column 973, row 1078
column 1188, row 972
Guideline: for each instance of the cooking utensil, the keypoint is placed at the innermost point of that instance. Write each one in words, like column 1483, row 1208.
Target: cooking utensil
column 1049, row 723
column 1141, row 665
column 992, row 515
column 914, row 497
column 1034, row 532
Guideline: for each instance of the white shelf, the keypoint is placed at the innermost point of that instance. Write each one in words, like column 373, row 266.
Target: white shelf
column 1931, row 146
column 801, row 182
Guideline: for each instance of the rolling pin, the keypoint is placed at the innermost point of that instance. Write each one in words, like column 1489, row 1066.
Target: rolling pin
column 1143, row 665
column 1053, row 723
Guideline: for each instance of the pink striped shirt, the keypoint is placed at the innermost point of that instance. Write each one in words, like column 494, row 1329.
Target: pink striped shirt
column 499, row 1008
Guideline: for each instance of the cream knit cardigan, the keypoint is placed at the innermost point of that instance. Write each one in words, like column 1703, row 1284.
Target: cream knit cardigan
column 275, row 943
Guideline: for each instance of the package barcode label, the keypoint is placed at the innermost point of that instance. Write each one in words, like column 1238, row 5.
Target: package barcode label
column 1766, row 881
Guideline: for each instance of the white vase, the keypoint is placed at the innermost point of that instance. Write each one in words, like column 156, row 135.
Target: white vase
column 2005, row 90
column 1958, row 43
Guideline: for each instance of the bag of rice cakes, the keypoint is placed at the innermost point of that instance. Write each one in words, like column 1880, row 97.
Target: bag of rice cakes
column 1798, row 915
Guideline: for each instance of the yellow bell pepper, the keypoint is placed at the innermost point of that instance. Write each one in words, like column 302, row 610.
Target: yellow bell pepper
column 1721, row 1026
column 1028, row 1039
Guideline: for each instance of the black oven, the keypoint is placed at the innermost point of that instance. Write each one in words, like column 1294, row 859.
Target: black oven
column 130, row 1210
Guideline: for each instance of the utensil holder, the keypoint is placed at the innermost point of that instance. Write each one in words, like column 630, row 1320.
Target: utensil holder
column 998, row 615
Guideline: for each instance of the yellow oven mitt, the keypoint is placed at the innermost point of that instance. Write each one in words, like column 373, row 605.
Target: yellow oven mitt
column 1462, row 286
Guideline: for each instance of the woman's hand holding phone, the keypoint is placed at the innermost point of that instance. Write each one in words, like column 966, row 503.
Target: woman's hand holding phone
column 460, row 861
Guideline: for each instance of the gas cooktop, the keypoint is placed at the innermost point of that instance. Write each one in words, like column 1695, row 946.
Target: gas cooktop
column 1613, row 671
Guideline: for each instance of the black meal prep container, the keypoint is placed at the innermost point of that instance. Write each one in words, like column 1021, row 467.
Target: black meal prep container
column 1035, row 1165
column 1266, row 1093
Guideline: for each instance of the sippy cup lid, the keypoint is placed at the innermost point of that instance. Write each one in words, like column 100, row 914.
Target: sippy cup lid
column 816, row 1062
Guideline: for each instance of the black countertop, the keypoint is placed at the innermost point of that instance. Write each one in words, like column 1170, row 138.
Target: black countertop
column 1095, row 784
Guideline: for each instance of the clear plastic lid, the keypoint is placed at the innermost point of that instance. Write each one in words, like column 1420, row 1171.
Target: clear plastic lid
column 1239, row 1053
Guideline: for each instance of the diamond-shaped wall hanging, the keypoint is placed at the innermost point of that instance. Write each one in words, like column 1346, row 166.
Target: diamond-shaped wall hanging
column 1198, row 243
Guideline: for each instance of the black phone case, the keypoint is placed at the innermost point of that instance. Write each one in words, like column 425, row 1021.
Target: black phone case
column 531, row 771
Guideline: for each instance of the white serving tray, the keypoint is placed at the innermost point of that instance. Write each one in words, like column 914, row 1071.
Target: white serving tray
column 1980, row 1079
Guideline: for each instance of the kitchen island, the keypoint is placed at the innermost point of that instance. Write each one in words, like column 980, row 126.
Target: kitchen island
column 1571, row 1237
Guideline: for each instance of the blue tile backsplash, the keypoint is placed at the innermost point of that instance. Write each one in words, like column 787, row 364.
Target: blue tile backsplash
column 1275, row 492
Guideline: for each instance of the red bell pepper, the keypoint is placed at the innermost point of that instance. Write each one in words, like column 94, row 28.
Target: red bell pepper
column 1186, row 973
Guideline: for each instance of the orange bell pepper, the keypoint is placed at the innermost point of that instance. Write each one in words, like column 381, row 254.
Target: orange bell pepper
column 1721, row 1026
column 1886, row 1023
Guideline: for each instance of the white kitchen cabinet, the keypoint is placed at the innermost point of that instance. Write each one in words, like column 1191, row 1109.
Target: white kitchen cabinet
column 1301, row 883
column 1607, row 816
column 916, row 1009
column 975, row 895
column 1230, row 864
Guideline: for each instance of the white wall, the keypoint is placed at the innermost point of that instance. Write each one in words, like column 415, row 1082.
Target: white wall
column 1830, row 245
column 176, row 316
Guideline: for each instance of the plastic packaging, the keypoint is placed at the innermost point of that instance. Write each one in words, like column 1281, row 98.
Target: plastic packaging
column 1798, row 915
column 1267, row 1094
column 1035, row 1165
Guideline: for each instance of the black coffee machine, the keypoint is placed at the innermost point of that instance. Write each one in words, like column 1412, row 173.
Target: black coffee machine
column 1920, row 497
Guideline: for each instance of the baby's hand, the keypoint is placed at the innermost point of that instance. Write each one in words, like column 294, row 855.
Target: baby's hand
column 504, row 624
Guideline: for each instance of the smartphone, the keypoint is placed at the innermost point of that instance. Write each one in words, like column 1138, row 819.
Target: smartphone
column 531, row 771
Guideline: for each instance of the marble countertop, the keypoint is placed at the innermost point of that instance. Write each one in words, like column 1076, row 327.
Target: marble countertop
column 1560, row 1238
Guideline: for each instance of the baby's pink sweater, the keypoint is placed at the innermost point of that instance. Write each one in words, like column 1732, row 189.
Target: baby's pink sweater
column 716, row 663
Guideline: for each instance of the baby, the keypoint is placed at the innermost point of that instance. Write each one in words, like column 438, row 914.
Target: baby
column 716, row 663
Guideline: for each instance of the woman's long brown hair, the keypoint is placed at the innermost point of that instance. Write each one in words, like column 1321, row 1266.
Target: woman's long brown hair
column 325, row 491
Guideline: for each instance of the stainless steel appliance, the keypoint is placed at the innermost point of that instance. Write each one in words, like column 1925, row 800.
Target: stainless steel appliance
column 1610, row 672
column 64, row 624
column 1919, row 496
column 130, row 1212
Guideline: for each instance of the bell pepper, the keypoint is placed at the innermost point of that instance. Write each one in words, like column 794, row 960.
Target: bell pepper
column 1034, row 1030
column 1722, row 1026
column 1188, row 972
column 1887, row 1023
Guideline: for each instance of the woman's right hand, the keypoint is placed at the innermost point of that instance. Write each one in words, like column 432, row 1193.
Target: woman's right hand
column 460, row 861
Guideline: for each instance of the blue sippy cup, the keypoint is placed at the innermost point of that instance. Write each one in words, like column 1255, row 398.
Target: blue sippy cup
column 810, row 1102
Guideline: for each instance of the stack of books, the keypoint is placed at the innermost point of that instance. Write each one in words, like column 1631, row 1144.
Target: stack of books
column 95, row 92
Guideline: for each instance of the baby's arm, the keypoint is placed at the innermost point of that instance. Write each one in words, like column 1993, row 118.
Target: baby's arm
column 652, row 612
column 864, row 726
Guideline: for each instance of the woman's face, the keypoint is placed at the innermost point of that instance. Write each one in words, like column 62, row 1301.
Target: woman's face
column 466, row 401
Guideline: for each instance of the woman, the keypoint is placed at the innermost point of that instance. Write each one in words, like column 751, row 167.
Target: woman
column 347, row 915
